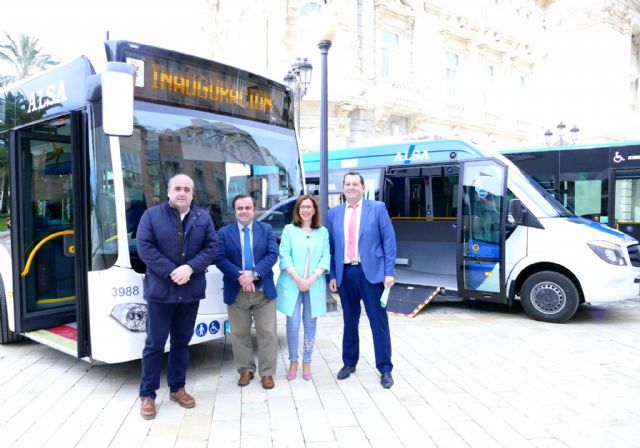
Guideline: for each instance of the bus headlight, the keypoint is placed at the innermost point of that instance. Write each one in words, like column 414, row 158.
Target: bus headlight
column 132, row 316
column 609, row 252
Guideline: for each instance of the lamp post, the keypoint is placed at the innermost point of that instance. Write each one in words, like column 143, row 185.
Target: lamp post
column 298, row 79
column 324, row 46
column 561, row 140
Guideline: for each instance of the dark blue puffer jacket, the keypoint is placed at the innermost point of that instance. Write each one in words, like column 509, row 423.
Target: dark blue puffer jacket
column 163, row 246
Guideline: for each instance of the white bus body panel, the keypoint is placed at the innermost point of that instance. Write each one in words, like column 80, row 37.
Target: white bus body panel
column 564, row 242
column 112, row 343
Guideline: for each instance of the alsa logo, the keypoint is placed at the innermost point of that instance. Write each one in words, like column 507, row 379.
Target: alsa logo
column 411, row 156
column 42, row 98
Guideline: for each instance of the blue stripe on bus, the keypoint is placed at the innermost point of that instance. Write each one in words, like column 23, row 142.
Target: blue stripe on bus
column 600, row 227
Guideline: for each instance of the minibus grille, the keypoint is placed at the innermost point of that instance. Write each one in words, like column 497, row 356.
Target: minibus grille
column 634, row 254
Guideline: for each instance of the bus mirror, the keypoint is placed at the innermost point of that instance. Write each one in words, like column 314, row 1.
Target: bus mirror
column 516, row 212
column 117, row 99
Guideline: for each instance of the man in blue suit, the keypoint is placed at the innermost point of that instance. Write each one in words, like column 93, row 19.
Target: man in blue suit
column 363, row 257
column 245, row 253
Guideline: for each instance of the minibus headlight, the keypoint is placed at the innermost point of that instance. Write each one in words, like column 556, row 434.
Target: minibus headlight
column 132, row 316
column 609, row 252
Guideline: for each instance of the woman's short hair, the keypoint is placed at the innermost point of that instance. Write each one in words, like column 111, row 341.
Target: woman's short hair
column 315, row 219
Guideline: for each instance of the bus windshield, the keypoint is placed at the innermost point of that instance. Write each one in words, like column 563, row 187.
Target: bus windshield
column 534, row 192
column 223, row 155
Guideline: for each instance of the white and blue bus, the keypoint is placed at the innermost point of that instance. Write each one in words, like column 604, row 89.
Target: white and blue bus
column 470, row 222
column 82, row 158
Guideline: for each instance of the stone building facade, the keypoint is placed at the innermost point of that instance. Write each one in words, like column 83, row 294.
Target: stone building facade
column 496, row 72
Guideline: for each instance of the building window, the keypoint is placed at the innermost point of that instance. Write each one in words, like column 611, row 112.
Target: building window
column 388, row 53
column 451, row 73
column 488, row 92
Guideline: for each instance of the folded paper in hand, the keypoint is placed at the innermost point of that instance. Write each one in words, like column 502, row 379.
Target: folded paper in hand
column 384, row 297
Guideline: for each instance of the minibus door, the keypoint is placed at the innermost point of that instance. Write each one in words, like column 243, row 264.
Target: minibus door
column 481, row 230
column 623, row 208
column 48, row 194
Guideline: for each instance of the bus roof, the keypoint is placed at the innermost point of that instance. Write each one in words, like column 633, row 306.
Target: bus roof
column 396, row 154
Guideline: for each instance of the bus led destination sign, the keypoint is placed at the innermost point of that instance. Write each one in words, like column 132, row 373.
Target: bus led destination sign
column 193, row 82
column 210, row 88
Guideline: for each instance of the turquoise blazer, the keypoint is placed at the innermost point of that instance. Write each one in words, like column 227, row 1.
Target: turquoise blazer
column 293, row 252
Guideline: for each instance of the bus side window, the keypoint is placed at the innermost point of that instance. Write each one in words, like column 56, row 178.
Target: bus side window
column 397, row 198
column 445, row 196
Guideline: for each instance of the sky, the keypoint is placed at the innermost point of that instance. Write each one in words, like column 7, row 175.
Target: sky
column 69, row 28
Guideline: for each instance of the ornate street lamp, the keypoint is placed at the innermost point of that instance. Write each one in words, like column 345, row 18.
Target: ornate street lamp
column 561, row 141
column 298, row 79
column 574, row 133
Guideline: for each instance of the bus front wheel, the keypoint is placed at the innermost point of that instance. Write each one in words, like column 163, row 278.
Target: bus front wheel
column 6, row 336
column 549, row 296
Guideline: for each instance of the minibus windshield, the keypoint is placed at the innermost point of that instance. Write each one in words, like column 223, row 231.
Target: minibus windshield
column 547, row 203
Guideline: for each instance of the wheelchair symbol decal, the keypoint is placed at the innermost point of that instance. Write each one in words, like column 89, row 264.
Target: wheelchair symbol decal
column 617, row 158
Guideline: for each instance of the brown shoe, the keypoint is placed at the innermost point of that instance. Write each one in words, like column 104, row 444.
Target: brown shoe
column 245, row 378
column 183, row 398
column 267, row 382
column 148, row 409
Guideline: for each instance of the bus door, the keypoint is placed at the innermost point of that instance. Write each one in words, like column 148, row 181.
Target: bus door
column 625, row 206
column 49, row 260
column 481, row 230
column 422, row 203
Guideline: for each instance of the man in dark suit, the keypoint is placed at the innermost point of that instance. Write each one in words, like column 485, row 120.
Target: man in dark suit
column 176, row 240
column 245, row 253
column 363, row 257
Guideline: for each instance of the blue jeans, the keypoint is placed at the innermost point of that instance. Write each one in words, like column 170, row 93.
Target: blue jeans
column 293, row 328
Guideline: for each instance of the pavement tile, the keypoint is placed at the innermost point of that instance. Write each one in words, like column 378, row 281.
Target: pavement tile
column 466, row 376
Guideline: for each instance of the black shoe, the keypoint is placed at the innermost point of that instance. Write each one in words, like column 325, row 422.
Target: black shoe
column 345, row 372
column 386, row 380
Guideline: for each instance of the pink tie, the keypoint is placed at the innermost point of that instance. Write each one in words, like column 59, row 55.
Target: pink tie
column 351, row 241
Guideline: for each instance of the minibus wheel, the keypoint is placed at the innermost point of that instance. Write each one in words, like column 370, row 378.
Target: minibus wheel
column 549, row 296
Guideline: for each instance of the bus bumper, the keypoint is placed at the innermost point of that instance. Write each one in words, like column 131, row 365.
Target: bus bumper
column 612, row 285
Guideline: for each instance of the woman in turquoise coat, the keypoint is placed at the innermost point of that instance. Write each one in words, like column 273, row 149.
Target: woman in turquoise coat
column 304, row 261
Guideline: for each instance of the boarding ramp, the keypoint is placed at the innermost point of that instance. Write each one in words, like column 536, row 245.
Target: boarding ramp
column 407, row 301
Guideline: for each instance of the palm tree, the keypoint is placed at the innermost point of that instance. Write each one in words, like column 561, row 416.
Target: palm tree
column 25, row 57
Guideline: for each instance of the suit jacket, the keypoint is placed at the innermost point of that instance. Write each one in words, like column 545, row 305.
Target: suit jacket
column 294, row 246
column 163, row 249
column 229, row 258
column 376, row 244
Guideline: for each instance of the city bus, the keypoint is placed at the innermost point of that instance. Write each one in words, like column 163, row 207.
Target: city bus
column 83, row 156
column 470, row 223
column 599, row 182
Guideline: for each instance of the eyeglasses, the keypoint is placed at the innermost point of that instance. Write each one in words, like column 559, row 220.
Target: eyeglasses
column 306, row 207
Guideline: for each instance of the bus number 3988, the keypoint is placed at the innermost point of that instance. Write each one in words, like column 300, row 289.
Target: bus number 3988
column 125, row 291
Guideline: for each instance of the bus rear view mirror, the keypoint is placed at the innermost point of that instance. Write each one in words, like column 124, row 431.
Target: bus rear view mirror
column 117, row 99
column 516, row 212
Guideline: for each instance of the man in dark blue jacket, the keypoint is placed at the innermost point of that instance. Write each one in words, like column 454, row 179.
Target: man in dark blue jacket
column 246, row 253
column 176, row 240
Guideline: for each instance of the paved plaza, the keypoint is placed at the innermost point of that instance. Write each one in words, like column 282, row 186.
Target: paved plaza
column 473, row 375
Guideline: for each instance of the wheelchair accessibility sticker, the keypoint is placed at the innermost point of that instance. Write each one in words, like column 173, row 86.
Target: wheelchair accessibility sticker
column 201, row 329
column 214, row 327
